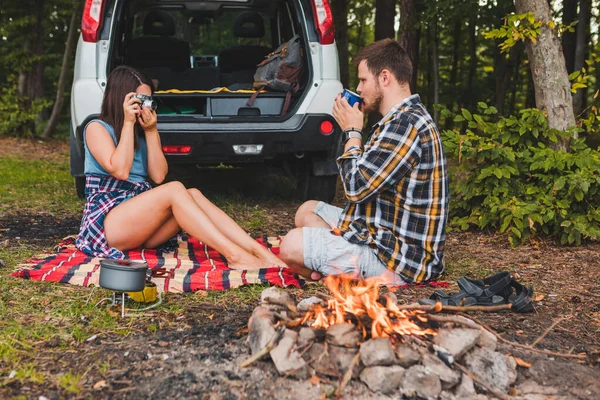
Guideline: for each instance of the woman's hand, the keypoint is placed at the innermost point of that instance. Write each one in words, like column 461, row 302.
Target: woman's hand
column 347, row 117
column 131, row 108
column 147, row 119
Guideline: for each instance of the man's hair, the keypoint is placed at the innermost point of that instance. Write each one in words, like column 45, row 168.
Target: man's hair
column 386, row 54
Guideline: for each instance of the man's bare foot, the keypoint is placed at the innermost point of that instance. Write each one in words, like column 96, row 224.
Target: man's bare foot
column 270, row 259
column 316, row 276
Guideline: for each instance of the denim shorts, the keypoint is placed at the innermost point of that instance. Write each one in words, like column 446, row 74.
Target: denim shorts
column 330, row 254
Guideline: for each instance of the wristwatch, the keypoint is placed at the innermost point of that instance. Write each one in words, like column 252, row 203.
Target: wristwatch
column 352, row 133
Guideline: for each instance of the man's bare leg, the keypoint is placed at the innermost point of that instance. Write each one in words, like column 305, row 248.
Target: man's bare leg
column 306, row 217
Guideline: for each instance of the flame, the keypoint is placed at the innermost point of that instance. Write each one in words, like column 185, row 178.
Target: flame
column 356, row 303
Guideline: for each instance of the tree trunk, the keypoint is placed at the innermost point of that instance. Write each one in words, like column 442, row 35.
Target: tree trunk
column 569, row 38
column 339, row 8
column 409, row 36
column 31, row 82
column 60, row 89
column 455, row 52
column 436, row 69
column 503, row 80
column 516, row 80
column 385, row 12
column 472, row 59
column 581, row 51
column 549, row 72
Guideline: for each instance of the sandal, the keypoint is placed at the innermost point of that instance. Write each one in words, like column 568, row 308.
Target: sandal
column 490, row 291
column 522, row 299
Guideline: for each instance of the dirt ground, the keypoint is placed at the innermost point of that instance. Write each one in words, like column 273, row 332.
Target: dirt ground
column 197, row 355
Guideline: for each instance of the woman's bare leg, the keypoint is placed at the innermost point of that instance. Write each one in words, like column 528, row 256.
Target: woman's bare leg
column 235, row 232
column 224, row 223
column 133, row 222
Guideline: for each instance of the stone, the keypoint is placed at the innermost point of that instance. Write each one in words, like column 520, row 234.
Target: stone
column 495, row 369
column 286, row 359
column 319, row 360
column 487, row 339
column 530, row 387
column 466, row 388
column 407, row 356
column 305, row 304
column 343, row 335
column 306, row 335
column 458, row 340
column 332, row 360
column 273, row 296
column 388, row 296
column 260, row 329
column 382, row 379
column 342, row 358
column 419, row 381
column 448, row 377
column 378, row 351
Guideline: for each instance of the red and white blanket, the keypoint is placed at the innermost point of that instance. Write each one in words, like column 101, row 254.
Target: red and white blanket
column 189, row 267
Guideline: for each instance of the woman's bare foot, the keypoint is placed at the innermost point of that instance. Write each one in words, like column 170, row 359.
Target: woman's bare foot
column 244, row 262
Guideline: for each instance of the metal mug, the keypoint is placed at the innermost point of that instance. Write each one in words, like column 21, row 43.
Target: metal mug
column 351, row 97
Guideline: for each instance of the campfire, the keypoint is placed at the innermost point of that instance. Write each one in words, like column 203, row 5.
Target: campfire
column 358, row 333
column 360, row 305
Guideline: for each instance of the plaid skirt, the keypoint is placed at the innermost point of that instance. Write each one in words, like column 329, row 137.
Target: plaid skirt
column 103, row 193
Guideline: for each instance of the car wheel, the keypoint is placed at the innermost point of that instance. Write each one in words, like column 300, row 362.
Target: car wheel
column 80, row 186
column 312, row 187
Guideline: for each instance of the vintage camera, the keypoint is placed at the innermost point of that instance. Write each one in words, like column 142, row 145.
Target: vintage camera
column 351, row 97
column 147, row 101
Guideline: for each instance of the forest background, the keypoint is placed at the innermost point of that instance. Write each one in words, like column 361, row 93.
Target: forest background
column 521, row 134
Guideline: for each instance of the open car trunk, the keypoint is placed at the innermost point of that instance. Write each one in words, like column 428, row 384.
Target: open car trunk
column 202, row 55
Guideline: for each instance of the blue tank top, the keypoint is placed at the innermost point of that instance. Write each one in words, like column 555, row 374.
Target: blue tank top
column 139, row 169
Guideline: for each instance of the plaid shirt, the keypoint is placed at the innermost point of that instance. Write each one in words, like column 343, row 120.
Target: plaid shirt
column 397, row 189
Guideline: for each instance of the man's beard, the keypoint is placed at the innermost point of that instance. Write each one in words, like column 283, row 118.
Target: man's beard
column 374, row 106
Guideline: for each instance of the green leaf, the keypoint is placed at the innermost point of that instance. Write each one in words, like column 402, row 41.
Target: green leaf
column 516, row 232
column 458, row 118
column 559, row 184
column 466, row 114
column 482, row 105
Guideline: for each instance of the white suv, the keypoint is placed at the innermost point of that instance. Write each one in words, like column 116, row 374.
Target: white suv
column 191, row 48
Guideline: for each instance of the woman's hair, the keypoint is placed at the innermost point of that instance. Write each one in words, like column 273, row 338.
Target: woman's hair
column 122, row 80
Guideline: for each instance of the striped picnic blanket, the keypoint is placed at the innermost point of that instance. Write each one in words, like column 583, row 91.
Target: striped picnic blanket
column 190, row 266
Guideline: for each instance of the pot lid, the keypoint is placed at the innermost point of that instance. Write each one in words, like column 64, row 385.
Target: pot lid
column 124, row 265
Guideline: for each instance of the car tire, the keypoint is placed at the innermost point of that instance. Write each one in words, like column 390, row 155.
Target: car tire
column 80, row 186
column 312, row 187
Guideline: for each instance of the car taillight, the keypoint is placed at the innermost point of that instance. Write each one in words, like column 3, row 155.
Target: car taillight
column 326, row 128
column 324, row 21
column 92, row 20
column 176, row 149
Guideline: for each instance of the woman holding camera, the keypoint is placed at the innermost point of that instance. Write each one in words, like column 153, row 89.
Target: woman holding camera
column 123, row 212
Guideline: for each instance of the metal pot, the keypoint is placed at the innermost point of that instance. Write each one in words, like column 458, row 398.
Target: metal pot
column 123, row 275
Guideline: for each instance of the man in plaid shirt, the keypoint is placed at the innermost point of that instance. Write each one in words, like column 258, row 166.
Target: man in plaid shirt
column 393, row 224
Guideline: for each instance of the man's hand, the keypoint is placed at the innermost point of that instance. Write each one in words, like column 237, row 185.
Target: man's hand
column 347, row 117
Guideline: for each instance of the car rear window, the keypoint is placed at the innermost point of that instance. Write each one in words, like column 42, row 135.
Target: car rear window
column 206, row 34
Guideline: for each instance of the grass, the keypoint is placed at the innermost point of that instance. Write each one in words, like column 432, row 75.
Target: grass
column 37, row 185
column 40, row 321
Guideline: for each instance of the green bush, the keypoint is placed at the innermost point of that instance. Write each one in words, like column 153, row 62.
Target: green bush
column 17, row 118
column 506, row 176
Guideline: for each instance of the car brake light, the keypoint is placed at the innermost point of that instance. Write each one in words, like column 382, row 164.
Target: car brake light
column 92, row 20
column 324, row 21
column 326, row 128
column 177, row 149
